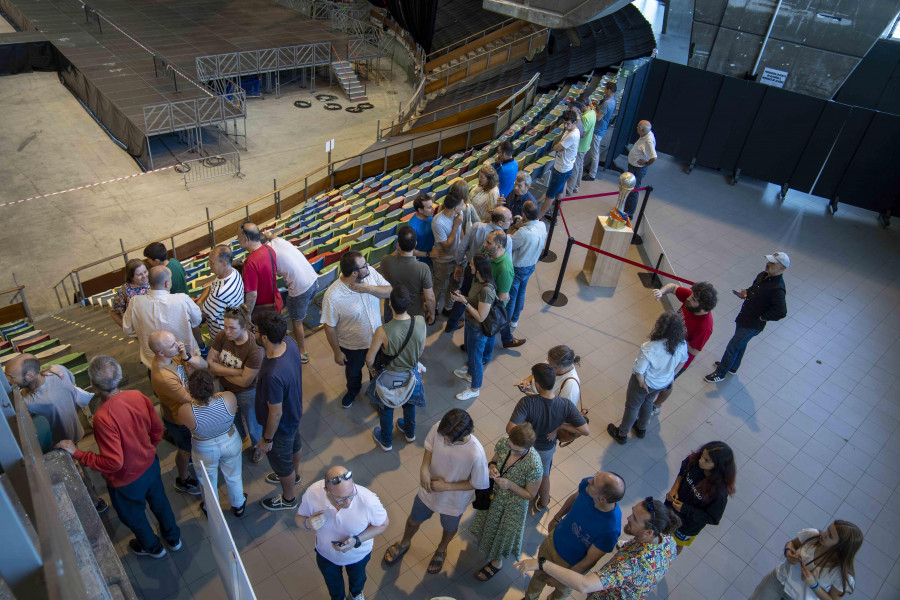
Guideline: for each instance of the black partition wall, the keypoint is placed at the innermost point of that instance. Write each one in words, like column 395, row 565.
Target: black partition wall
column 839, row 152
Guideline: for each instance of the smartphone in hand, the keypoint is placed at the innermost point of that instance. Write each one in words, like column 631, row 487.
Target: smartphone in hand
column 737, row 293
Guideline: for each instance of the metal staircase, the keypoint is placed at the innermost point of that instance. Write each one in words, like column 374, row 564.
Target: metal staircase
column 347, row 77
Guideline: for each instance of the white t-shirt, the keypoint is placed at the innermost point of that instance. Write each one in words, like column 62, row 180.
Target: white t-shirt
column 452, row 463
column 792, row 577
column 565, row 160
column 354, row 316
column 364, row 510
column 657, row 365
column 293, row 266
column 643, row 149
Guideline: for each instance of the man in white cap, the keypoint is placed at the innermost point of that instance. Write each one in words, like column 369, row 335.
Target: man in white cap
column 763, row 301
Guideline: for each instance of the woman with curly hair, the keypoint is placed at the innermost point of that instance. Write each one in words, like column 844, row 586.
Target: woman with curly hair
column 137, row 283
column 654, row 369
column 701, row 490
column 485, row 196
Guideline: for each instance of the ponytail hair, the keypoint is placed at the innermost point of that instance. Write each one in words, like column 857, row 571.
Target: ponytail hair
column 563, row 357
column 663, row 520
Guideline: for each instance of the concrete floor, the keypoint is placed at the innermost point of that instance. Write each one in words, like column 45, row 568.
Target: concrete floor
column 48, row 143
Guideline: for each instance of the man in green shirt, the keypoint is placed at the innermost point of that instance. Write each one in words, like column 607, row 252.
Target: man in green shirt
column 156, row 255
column 503, row 272
column 588, row 121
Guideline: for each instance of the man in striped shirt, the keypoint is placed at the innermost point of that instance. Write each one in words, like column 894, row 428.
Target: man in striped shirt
column 225, row 292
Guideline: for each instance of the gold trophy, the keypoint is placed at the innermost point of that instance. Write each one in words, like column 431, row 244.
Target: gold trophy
column 617, row 217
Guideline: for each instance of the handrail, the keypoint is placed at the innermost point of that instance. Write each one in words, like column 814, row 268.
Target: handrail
column 432, row 74
column 534, row 79
column 12, row 290
column 19, row 292
column 465, row 40
column 349, row 55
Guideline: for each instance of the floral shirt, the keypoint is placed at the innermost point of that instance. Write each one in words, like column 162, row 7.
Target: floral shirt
column 635, row 570
column 126, row 293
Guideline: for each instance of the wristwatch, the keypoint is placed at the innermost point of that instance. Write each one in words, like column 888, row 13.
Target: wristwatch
column 541, row 561
column 268, row 440
column 358, row 541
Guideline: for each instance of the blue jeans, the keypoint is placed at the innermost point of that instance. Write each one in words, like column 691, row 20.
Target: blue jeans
column 458, row 310
column 639, row 174
column 734, row 351
column 334, row 576
column 479, row 348
column 386, row 421
column 222, row 452
column 356, row 360
column 247, row 410
column 516, row 298
column 131, row 501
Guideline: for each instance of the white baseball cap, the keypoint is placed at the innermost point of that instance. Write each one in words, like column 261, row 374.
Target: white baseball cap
column 779, row 257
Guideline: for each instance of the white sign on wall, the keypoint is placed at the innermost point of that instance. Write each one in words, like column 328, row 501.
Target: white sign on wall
column 773, row 77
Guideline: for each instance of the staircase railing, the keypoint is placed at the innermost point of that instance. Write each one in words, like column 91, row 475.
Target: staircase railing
column 18, row 297
column 352, row 58
column 343, row 68
column 460, row 43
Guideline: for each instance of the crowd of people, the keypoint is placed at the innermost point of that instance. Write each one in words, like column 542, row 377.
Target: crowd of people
column 243, row 392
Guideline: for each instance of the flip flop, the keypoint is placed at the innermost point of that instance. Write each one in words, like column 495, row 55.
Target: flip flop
column 437, row 563
column 486, row 572
column 394, row 553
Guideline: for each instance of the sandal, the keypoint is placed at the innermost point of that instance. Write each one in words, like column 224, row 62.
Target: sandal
column 538, row 507
column 437, row 562
column 394, row 553
column 486, row 572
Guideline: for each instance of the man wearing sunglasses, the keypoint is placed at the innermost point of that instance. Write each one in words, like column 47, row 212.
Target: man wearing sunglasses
column 345, row 518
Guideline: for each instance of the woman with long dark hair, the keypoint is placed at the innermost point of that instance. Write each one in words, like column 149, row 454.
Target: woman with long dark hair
column 701, row 490
column 137, row 283
column 481, row 296
column 818, row 564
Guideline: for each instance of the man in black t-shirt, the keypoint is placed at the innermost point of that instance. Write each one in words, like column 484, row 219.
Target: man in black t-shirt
column 547, row 413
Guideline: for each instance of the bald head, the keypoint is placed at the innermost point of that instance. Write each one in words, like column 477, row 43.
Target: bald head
column 161, row 342
column 644, row 127
column 607, row 487
column 160, row 278
column 23, row 371
column 501, row 216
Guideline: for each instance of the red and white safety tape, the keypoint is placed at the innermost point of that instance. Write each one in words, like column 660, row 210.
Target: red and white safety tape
column 89, row 185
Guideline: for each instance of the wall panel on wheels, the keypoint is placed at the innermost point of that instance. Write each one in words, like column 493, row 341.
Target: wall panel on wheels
column 848, row 141
column 821, row 142
column 872, row 180
column 686, row 103
column 729, row 124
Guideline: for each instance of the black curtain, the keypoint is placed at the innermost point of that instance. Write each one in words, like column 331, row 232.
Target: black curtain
column 417, row 17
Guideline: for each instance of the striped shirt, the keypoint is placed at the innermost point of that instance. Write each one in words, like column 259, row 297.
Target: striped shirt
column 212, row 420
column 223, row 293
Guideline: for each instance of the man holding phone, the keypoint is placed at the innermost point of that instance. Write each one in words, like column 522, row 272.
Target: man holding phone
column 345, row 518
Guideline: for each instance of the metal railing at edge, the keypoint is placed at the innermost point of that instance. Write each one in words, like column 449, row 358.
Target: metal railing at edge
column 18, row 292
column 462, row 42
column 437, row 74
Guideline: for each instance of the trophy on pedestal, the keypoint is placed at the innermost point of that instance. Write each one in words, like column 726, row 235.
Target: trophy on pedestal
column 617, row 218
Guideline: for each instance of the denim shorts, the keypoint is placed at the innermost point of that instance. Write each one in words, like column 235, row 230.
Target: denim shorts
column 557, row 183
column 297, row 305
column 281, row 456
column 181, row 435
column 546, row 459
column 421, row 513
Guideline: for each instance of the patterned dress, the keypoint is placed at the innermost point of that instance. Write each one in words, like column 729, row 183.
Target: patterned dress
column 500, row 529
column 126, row 293
column 635, row 570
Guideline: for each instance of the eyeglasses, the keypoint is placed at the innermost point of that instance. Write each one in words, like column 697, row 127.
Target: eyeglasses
column 342, row 499
column 364, row 266
column 344, row 477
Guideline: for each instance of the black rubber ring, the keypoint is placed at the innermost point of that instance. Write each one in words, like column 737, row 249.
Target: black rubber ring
column 326, row 98
column 365, row 105
column 302, row 103
column 332, row 106
column 353, row 109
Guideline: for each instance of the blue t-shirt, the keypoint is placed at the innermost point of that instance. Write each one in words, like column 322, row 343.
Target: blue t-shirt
column 607, row 108
column 424, row 236
column 585, row 526
column 280, row 382
column 507, row 173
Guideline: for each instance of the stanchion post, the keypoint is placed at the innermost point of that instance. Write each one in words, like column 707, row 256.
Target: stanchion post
column 555, row 298
column 548, row 256
column 637, row 239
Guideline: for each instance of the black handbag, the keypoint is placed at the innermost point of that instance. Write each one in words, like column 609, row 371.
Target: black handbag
column 383, row 359
column 496, row 319
column 483, row 497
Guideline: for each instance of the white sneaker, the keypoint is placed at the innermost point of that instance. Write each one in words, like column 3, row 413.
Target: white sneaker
column 467, row 394
column 655, row 410
column 358, row 597
column 463, row 374
column 513, row 324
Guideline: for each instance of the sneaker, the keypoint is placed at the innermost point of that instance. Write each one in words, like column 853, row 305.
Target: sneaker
column 136, row 547
column 467, row 394
column 187, row 486
column 278, row 503
column 638, row 432
column 256, row 455
column 274, row 480
column 463, row 347
column 513, row 324
column 587, row 178
column 401, row 425
column 448, row 329
column 655, row 410
column 613, row 431
column 376, row 433
column 347, row 400
column 304, row 358
column 514, row 343
column 446, row 312
column 176, row 546
column 732, row 371
column 239, row 510
column 463, row 374
column 713, row 377
column 359, row 596
column 101, row 506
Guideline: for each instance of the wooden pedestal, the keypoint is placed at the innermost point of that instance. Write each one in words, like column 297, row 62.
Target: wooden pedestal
column 600, row 270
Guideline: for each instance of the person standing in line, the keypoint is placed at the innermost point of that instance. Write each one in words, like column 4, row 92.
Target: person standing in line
column 156, row 255
column 654, row 369
column 547, row 413
column 235, row 358
column 172, row 363
column 567, row 384
column 421, row 224
column 520, row 195
column 584, row 530
column 226, row 291
column 696, row 311
column 528, row 240
column 214, row 440
column 279, row 407
column 453, row 467
column 345, row 517
column 495, row 245
column 641, row 156
column 127, row 431
column 701, row 490
column 764, row 301
column 302, row 284
column 516, row 472
column 566, row 148
column 447, row 227
column 818, row 565
column 402, row 269
column 137, row 283
column 351, row 312
column 506, row 167
column 588, row 120
column 259, row 272
column 481, row 296
column 635, row 568
column 400, row 381
column 485, row 196
column 604, row 115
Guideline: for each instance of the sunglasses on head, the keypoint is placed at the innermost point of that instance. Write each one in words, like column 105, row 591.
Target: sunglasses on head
column 337, row 480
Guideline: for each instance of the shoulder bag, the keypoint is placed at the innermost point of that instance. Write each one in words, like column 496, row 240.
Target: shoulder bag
column 496, row 319
column 565, row 437
column 383, row 359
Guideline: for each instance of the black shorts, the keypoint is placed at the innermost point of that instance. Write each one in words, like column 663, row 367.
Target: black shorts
column 284, row 447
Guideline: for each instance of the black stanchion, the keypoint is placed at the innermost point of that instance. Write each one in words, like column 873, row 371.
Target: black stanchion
column 636, row 239
column 548, row 256
column 555, row 298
